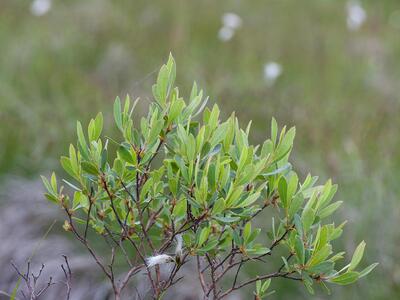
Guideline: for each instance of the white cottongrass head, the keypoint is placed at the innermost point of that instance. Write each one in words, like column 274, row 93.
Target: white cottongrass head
column 226, row 33
column 272, row 70
column 158, row 260
column 231, row 20
column 40, row 7
column 356, row 15
column 230, row 23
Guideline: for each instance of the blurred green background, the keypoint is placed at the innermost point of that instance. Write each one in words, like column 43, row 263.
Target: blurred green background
column 337, row 80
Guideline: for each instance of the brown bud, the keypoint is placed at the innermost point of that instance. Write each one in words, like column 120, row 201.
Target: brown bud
column 67, row 226
column 131, row 231
column 214, row 229
column 173, row 202
column 169, row 128
column 249, row 187
column 101, row 214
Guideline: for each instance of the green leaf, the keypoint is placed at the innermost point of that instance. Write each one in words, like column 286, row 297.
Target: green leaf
column 180, row 208
column 307, row 218
column 176, row 108
column 357, row 256
column 282, row 190
column 165, row 81
column 320, row 255
column 266, row 285
column 13, row 295
column 219, row 206
column 54, row 182
column 98, row 125
column 210, row 245
column 226, row 219
column 274, row 130
column 322, row 268
column 118, row 113
column 258, row 287
column 258, row 251
column 47, row 184
column 247, row 231
column 292, row 186
column 298, row 224
column 367, row 270
column 278, row 170
column 285, row 145
column 249, row 200
column 295, row 205
column 203, row 236
column 330, row 209
column 82, row 140
column 299, row 249
column 51, row 197
column 91, row 130
column 346, row 278
column 89, row 168
column 126, row 155
column 73, row 159
column 66, row 164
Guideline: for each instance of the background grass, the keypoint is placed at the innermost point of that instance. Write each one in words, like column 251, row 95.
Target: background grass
column 339, row 87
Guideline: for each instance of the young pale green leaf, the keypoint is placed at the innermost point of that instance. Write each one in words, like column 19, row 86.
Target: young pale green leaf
column 330, row 209
column 81, row 137
column 91, row 130
column 247, row 231
column 274, row 130
column 367, row 270
column 73, row 159
column 285, row 144
column 51, row 188
column 320, row 255
column 54, row 182
column 47, row 184
column 357, row 256
column 266, row 285
column 258, row 287
column 118, row 113
column 175, row 110
column 66, row 164
column 98, row 121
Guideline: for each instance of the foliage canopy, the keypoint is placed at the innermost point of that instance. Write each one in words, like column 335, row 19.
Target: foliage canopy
column 183, row 184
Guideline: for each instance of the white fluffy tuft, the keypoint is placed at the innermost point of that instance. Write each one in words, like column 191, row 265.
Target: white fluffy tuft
column 158, row 260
